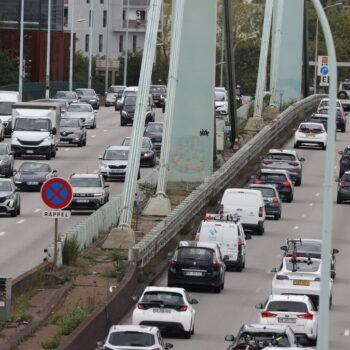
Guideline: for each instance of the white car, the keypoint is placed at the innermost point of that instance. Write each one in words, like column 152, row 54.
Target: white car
column 299, row 276
column 312, row 134
column 83, row 111
column 325, row 102
column 221, row 103
column 131, row 337
column 168, row 308
column 295, row 310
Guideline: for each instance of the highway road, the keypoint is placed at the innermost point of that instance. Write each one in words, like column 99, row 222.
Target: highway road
column 23, row 239
column 220, row 314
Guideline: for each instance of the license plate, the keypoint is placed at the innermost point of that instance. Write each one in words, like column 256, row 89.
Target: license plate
column 162, row 311
column 193, row 273
column 64, row 141
column 32, row 183
column 301, row 283
column 29, row 151
column 116, row 171
column 82, row 201
column 286, row 320
column 310, row 135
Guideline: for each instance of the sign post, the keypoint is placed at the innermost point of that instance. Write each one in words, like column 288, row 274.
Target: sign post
column 57, row 194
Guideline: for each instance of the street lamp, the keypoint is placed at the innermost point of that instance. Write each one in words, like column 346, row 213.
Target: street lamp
column 107, row 32
column 316, row 46
column 90, row 42
column 126, row 45
column 48, row 51
column 20, row 73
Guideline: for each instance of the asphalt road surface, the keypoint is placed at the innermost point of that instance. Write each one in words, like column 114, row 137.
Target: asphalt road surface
column 220, row 314
column 23, row 239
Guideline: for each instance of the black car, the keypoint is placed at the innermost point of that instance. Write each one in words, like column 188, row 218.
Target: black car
column 69, row 96
column 158, row 93
column 31, row 175
column 340, row 118
column 88, row 96
column 155, row 132
column 319, row 118
column 344, row 188
column 6, row 160
column 127, row 110
column 10, row 200
column 72, row 131
column 148, row 155
column 197, row 264
column 344, row 163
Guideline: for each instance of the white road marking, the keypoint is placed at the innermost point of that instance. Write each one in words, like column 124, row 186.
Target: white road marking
column 37, row 210
column 105, row 130
column 335, row 167
column 317, row 194
column 66, row 149
column 93, row 136
column 95, row 171
column 303, row 216
column 2, row 233
column 296, row 227
column 311, row 204
column 20, row 221
column 346, row 333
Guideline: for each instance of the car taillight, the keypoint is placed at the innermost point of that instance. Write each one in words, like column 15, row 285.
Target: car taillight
column 323, row 131
column 140, row 306
column 275, row 200
column 240, row 243
column 267, row 162
column 216, row 264
column 221, row 209
column 265, row 314
column 317, row 279
column 293, row 163
column 282, row 277
column 342, row 184
column 196, row 239
column 306, row 316
column 257, row 181
column 286, row 184
column 341, row 116
column 260, row 212
column 183, row 308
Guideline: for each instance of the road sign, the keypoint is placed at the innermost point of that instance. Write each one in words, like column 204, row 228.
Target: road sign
column 56, row 214
column 56, row 193
column 322, row 65
column 324, row 80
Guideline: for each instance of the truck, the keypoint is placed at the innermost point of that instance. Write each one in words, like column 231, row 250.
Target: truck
column 7, row 99
column 344, row 94
column 35, row 129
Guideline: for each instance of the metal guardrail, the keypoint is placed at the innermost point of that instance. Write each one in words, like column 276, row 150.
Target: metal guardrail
column 169, row 227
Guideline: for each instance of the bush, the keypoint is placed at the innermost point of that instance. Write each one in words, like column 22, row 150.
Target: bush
column 70, row 250
column 52, row 343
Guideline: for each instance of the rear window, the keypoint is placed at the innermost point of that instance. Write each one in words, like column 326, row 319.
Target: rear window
column 280, row 156
column 165, row 298
column 188, row 253
column 302, row 266
column 290, row 306
column 138, row 339
column 314, row 247
column 307, row 127
column 238, row 198
column 269, row 338
column 273, row 177
column 266, row 192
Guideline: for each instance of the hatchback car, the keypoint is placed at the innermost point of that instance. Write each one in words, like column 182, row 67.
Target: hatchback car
column 296, row 311
column 344, row 162
column 284, row 159
column 148, row 154
column 114, row 92
column 324, row 103
column 340, row 118
column 197, row 264
column 155, row 132
column 131, row 337
column 10, row 200
column 69, row 96
column 89, row 96
column 127, row 110
column 72, row 131
column 89, row 192
column 83, row 111
column 31, row 175
column 169, row 309
column 258, row 336
column 273, row 203
column 6, row 160
column 312, row 134
column 221, row 103
column 279, row 178
column 343, row 193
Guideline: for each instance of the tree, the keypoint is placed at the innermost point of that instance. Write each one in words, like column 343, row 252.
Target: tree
column 81, row 69
column 8, row 67
column 134, row 67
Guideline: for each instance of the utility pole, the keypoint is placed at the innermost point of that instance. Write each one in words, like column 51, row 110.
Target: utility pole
column 90, row 42
column 71, row 46
column 48, row 51
column 107, row 34
column 125, row 78
column 20, row 73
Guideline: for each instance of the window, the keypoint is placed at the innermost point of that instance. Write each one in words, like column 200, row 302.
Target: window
column 90, row 19
column 87, row 39
column 104, row 19
column 100, row 43
column 101, row 1
column 123, row 15
column 140, row 15
column 134, row 40
column 121, row 43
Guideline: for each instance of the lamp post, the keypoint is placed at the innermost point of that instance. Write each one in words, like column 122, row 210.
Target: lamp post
column 71, row 47
column 20, row 73
column 90, row 42
column 316, row 45
column 48, row 51
column 126, row 46
column 107, row 32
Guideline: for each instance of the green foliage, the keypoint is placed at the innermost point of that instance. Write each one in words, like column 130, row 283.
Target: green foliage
column 134, row 67
column 147, row 189
column 70, row 250
column 81, row 69
column 53, row 342
column 8, row 67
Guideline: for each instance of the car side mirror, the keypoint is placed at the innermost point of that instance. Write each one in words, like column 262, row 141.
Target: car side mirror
column 335, row 251
column 332, row 275
column 341, row 153
column 302, row 159
column 248, row 236
column 274, row 269
column 99, row 343
column 259, row 306
column 284, row 248
column 100, row 157
column 230, row 337
column 54, row 131
column 54, row 171
column 168, row 346
column 194, row 301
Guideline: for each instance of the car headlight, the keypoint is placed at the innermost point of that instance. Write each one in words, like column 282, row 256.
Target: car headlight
column 93, row 100
column 124, row 113
column 147, row 154
column 98, row 194
column 91, row 117
column 10, row 196
column 103, row 167
column 47, row 138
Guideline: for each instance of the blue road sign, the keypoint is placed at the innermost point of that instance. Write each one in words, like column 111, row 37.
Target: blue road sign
column 324, row 70
column 56, row 193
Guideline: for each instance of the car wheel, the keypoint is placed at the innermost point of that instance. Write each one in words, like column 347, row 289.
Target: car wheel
column 290, row 199
column 260, row 231
column 298, row 182
column 343, row 129
column 217, row 289
column 153, row 164
column 122, row 123
column 192, row 332
column 19, row 210
column 138, row 176
column 187, row 335
column 296, row 145
column 14, row 213
column 239, row 267
column 324, row 147
column 339, row 200
column 48, row 156
column 84, row 142
column 80, row 143
column 94, row 126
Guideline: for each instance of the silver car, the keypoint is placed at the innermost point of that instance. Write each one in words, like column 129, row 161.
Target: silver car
column 284, row 159
column 83, row 111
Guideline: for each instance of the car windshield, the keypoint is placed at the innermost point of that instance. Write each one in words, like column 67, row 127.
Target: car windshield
column 325, row 103
column 85, row 92
column 302, row 265
column 85, row 182
column 3, row 150
column 80, row 108
column 309, row 127
column 272, row 178
column 264, row 339
column 220, row 96
column 284, row 306
column 116, row 154
column 31, row 124
column 157, row 89
column 6, row 108
column 154, row 128
column 145, row 143
column 266, row 192
column 34, row 167
column 5, row 186
column 70, row 95
column 280, row 156
column 70, row 122
column 130, row 100
column 131, row 339
column 166, row 298
column 189, row 253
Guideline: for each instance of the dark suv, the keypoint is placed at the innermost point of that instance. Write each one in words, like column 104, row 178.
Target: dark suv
column 158, row 93
column 89, row 96
column 344, row 188
column 72, row 131
column 127, row 110
column 344, row 163
column 197, row 264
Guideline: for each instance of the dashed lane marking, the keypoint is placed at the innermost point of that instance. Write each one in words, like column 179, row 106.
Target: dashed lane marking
column 37, row 210
column 296, row 227
column 93, row 136
column 66, row 149
column 105, row 130
column 2, row 233
column 317, row 194
column 346, row 333
column 20, row 221
column 311, row 204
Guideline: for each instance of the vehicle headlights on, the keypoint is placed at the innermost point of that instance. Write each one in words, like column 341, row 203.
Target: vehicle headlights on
column 93, row 100
column 147, row 154
column 98, row 194
column 91, row 117
column 124, row 113
column 103, row 167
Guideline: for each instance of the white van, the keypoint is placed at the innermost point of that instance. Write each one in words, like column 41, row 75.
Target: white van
column 130, row 90
column 7, row 99
column 249, row 206
column 228, row 233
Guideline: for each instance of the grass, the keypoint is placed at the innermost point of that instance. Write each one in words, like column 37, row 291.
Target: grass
column 21, row 308
column 70, row 250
